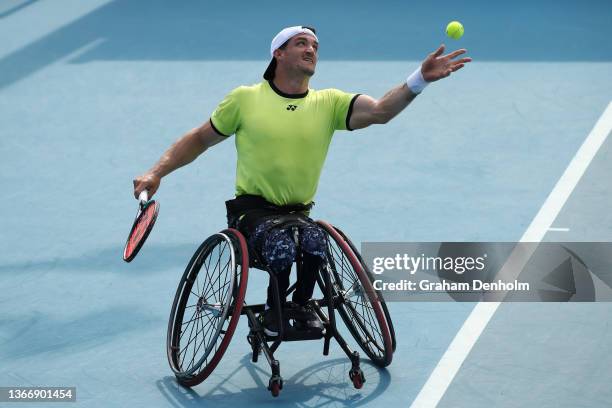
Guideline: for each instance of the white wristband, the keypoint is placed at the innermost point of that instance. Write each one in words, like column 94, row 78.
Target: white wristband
column 416, row 83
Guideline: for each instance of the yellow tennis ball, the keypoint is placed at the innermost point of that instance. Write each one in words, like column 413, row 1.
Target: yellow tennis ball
column 454, row 30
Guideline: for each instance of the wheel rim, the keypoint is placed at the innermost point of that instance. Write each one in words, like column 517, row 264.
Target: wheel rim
column 355, row 306
column 206, row 297
column 380, row 297
column 358, row 303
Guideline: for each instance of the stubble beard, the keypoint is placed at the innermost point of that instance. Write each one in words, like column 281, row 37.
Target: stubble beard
column 308, row 71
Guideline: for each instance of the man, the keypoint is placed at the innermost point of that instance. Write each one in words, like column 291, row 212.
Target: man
column 283, row 130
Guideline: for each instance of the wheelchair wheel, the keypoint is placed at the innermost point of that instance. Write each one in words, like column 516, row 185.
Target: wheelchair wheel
column 371, row 278
column 358, row 303
column 207, row 306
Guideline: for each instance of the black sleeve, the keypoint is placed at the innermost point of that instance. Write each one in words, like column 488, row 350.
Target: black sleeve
column 350, row 111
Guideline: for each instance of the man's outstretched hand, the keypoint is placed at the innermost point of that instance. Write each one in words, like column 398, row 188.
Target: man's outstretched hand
column 437, row 66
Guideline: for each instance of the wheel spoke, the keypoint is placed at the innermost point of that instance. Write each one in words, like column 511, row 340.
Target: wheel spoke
column 204, row 339
column 211, row 281
column 184, row 331
column 188, row 342
column 194, row 337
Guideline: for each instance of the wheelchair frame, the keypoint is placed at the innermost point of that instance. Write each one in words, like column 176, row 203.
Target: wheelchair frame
column 230, row 309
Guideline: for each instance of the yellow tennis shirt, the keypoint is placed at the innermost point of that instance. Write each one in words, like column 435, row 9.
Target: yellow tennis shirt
column 281, row 140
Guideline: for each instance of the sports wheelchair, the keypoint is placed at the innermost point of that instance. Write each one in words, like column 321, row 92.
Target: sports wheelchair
column 211, row 298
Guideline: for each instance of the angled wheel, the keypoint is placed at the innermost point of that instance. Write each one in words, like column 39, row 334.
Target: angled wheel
column 371, row 278
column 207, row 306
column 357, row 302
column 275, row 385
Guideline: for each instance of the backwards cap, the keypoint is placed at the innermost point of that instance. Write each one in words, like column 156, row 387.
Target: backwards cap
column 286, row 33
column 279, row 39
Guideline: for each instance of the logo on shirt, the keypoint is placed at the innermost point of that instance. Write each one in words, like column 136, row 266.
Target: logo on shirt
column 291, row 107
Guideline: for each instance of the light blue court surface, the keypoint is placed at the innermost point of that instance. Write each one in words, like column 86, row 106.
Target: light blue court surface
column 91, row 94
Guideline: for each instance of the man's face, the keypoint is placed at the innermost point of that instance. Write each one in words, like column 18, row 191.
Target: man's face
column 300, row 54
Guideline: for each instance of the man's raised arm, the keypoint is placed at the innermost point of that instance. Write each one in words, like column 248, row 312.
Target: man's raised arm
column 182, row 152
column 368, row 111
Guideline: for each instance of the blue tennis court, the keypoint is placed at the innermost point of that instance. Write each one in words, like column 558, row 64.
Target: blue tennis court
column 92, row 93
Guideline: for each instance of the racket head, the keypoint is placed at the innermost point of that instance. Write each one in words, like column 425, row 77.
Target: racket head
column 142, row 226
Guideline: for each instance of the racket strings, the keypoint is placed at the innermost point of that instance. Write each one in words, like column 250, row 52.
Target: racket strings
column 143, row 222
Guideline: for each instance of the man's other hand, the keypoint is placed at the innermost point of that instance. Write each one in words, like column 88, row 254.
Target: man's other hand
column 437, row 66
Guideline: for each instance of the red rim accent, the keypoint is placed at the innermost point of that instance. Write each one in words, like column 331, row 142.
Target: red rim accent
column 369, row 274
column 369, row 289
column 197, row 379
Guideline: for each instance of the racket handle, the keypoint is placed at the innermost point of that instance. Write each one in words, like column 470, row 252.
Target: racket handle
column 143, row 197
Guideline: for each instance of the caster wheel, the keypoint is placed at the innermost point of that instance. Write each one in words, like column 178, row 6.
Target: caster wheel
column 275, row 389
column 357, row 378
column 275, row 385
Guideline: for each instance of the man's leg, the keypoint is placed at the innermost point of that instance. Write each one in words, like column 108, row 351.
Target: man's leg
column 282, row 280
column 306, row 277
column 313, row 246
column 278, row 252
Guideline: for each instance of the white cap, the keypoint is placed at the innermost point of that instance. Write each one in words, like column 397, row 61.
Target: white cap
column 286, row 34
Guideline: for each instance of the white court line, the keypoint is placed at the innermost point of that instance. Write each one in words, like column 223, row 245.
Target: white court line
column 558, row 229
column 438, row 382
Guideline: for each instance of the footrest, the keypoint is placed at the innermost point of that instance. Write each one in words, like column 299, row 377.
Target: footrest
column 293, row 334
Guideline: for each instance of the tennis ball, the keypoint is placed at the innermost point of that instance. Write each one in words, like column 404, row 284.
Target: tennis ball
column 454, row 30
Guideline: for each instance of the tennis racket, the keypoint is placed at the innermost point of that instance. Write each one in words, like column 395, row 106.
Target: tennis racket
column 143, row 224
